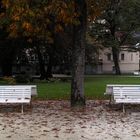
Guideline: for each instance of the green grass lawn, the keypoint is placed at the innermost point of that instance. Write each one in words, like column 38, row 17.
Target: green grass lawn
column 94, row 87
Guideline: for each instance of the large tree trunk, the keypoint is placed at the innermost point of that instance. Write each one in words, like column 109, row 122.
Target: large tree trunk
column 78, row 55
column 49, row 67
column 52, row 48
column 7, row 56
column 115, row 53
column 41, row 63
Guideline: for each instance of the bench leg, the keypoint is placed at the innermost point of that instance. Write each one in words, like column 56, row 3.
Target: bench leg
column 110, row 99
column 123, row 108
column 22, row 108
column 31, row 104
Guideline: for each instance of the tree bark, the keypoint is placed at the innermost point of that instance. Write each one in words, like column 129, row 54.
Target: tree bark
column 78, row 55
column 115, row 53
column 49, row 67
column 41, row 64
column 51, row 47
column 112, row 16
column 115, row 50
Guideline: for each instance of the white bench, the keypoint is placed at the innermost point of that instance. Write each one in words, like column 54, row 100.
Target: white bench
column 33, row 88
column 109, row 91
column 124, row 94
column 17, row 94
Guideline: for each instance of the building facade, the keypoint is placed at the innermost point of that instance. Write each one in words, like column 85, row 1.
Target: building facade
column 128, row 61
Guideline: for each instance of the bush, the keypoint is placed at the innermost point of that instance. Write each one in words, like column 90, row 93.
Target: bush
column 22, row 78
column 9, row 80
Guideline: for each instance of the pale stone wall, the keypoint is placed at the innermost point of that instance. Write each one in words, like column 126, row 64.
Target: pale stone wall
column 128, row 65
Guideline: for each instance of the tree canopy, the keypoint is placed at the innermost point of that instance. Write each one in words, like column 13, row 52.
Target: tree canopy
column 38, row 21
column 115, row 26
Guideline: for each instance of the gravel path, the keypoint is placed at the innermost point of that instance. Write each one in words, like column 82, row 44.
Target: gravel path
column 55, row 120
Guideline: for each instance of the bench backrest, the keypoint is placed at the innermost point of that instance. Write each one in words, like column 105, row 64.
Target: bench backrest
column 15, row 94
column 33, row 88
column 109, row 87
column 126, row 92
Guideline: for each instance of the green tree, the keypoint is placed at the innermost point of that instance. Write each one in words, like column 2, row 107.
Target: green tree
column 78, row 54
column 85, row 10
column 115, row 26
column 32, row 20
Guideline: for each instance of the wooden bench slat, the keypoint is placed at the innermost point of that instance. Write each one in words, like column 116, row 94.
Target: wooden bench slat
column 124, row 93
column 17, row 94
column 33, row 88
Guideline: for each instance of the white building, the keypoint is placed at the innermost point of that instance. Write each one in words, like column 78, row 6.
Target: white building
column 128, row 61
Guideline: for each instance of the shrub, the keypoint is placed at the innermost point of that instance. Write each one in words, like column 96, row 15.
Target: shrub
column 22, row 78
column 9, row 80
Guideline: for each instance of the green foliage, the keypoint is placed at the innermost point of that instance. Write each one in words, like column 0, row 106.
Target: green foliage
column 115, row 26
column 118, row 21
column 22, row 78
column 34, row 18
column 9, row 80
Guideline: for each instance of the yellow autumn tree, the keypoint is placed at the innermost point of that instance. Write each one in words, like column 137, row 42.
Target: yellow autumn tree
column 33, row 19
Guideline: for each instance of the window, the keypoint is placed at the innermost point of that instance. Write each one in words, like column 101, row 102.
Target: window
column 109, row 56
column 122, row 56
column 131, row 56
